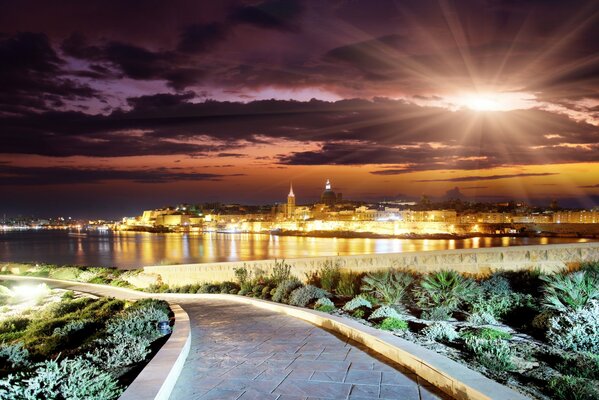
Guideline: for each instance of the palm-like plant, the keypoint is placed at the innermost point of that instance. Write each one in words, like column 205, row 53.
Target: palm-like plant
column 444, row 289
column 571, row 292
column 390, row 286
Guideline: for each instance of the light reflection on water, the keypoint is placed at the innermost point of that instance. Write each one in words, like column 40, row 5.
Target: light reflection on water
column 134, row 249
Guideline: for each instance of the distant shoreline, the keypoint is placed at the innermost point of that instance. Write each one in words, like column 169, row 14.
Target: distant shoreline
column 437, row 236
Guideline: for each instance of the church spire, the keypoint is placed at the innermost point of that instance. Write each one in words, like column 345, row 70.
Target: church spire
column 291, row 194
column 328, row 185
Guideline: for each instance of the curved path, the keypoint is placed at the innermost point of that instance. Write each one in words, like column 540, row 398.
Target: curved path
column 243, row 352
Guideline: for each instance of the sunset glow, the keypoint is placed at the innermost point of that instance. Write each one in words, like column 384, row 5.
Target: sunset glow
column 229, row 101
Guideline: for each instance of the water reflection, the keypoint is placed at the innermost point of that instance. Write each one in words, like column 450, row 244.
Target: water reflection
column 131, row 249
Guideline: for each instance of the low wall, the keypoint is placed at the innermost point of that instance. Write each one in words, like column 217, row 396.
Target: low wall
column 475, row 261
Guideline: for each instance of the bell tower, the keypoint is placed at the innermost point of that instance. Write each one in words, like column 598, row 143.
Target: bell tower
column 290, row 202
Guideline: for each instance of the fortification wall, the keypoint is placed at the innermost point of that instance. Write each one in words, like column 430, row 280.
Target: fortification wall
column 475, row 261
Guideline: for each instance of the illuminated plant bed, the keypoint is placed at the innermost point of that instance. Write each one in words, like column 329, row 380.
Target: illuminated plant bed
column 61, row 345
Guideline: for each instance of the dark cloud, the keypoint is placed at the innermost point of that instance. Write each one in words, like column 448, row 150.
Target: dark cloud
column 590, row 186
column 487, row 178
column 31, row 76
column 349, row 132
column 20, row 176
column 198, row 38
column 275, row 14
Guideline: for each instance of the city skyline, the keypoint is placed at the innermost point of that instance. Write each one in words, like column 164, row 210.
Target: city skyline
column 111, row 107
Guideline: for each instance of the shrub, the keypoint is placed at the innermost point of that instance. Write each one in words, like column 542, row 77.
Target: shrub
column 227, row 287
column 482, row 318
column 14, row 324
column 87, row 276
column 14, row 354
column 70, row 327
column 496, row 284
column 265, row 292
column 440, row 331
column 359, row 313
column 138, row 322
column 280, row 272
column 67, row 273
column 582, row 365
column 564, row 293
column 242, row 274
column 577, row 330
column 74, row 378
column 528, row 281
column 487, row 333
column 329, row 275
column 437, row 314
column 393, row 324
column 444, row 290
column 348, row 285
column 493, row 354
column 68, row 295
column 384, row 312
column 541, row 320
column 126, row 352
column 357, row 302
column 567, row 387
column 389, row 285
column 590, row 267
column 284, row 290
column 302, row 296
column 257, row 290
column 324, row 304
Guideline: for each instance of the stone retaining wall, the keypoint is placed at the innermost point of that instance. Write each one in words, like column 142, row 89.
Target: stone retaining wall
column 475, row 261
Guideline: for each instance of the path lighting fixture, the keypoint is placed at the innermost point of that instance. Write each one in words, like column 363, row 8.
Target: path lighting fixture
column 163, row 327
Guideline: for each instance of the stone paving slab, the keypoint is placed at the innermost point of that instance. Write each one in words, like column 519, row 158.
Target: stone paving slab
column 242, row 352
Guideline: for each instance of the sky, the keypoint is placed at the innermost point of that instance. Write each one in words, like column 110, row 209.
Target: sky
column 108, row 108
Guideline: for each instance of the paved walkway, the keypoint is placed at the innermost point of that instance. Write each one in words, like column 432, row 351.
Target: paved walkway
column 243, row 352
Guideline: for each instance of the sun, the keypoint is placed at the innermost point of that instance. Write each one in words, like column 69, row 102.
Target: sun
column 494, row 101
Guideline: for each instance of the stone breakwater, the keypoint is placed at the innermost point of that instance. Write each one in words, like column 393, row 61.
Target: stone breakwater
column 549, row 258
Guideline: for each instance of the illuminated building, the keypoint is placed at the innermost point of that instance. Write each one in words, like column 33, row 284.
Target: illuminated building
column 290, row 202
column 329, row 197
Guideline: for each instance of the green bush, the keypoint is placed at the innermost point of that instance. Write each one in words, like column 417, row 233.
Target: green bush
column 444, row 291
column 324, row 304
column 576, row 330
column 329, row 274
column 581, row 365
column 227, row 287
column 284, row 289
column 568, row 387
column 300, row 297
column 280, row 272
column 66, row 273
column 487, row 333
column 75, row 379
column 14, row 354
column 590, row 267
column 357, row 302
column 68, row 295
column 569, row 292
column 242, row 275
column 482, row 318
column 14, row 324
column 384, row 312
column 359, row 313
column 494, row 354
column 128, row 351
column 441, row 330
column 393, row 324
column 348, row 284
column 390, row 286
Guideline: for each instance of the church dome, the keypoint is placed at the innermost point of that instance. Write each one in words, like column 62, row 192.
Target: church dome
column 328, row 197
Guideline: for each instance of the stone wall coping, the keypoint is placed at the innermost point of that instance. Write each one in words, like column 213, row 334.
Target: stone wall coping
column 427, row 253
